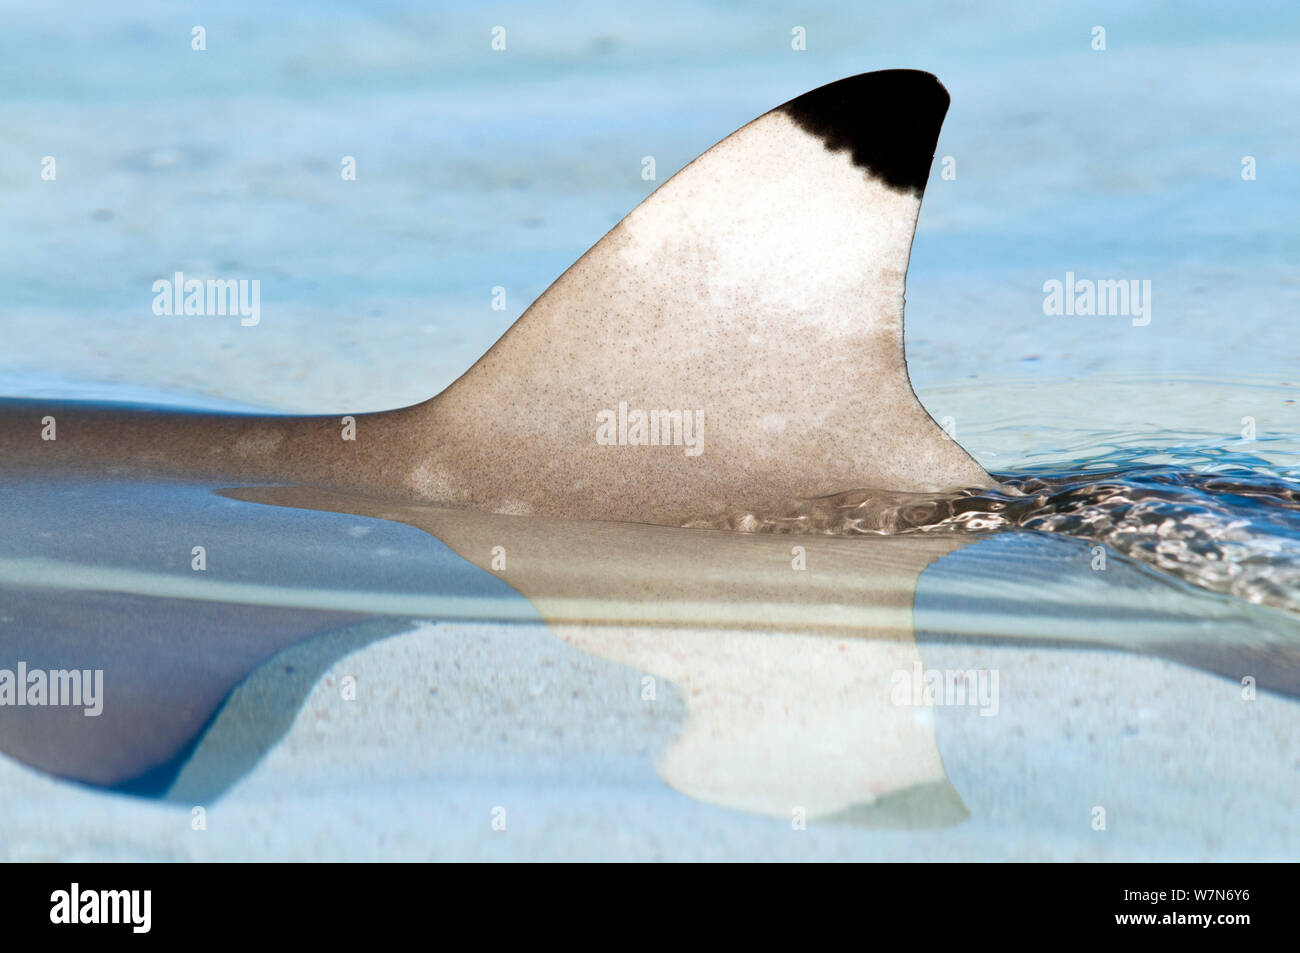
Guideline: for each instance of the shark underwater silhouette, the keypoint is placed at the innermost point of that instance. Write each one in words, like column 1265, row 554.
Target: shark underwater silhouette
column 752, row 306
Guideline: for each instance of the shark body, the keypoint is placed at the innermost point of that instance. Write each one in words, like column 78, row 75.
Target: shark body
column 754, row 301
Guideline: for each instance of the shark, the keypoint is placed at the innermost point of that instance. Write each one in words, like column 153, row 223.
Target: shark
column 737, row 341
column 746, row 320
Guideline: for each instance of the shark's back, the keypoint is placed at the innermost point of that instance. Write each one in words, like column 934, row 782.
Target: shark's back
column 736, row 341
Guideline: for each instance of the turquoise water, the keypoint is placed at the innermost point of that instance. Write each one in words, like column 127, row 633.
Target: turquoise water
column 1221, row 519
column 1122, row 685
column 481, row 169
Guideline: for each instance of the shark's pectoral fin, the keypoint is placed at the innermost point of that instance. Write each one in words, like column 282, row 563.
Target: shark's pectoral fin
column 736, row 340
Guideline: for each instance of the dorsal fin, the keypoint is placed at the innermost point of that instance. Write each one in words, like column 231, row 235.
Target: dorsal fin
column 756, row 299
column 735, row 343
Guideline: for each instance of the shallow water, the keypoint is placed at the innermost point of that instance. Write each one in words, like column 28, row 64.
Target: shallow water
column 1226, row 520
column 773, row 676
column 525, row 688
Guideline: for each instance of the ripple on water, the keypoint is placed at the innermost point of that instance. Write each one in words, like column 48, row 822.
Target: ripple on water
column 1222, row 519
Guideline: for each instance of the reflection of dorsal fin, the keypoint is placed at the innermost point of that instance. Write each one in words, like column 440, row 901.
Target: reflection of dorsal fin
column 760, row 290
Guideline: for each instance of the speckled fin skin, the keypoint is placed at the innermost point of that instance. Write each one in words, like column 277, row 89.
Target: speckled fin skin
column 736, row 341
column 759, row 290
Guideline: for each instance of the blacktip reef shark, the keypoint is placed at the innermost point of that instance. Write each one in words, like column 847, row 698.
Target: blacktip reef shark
column 758, row 294
column 761, row 290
